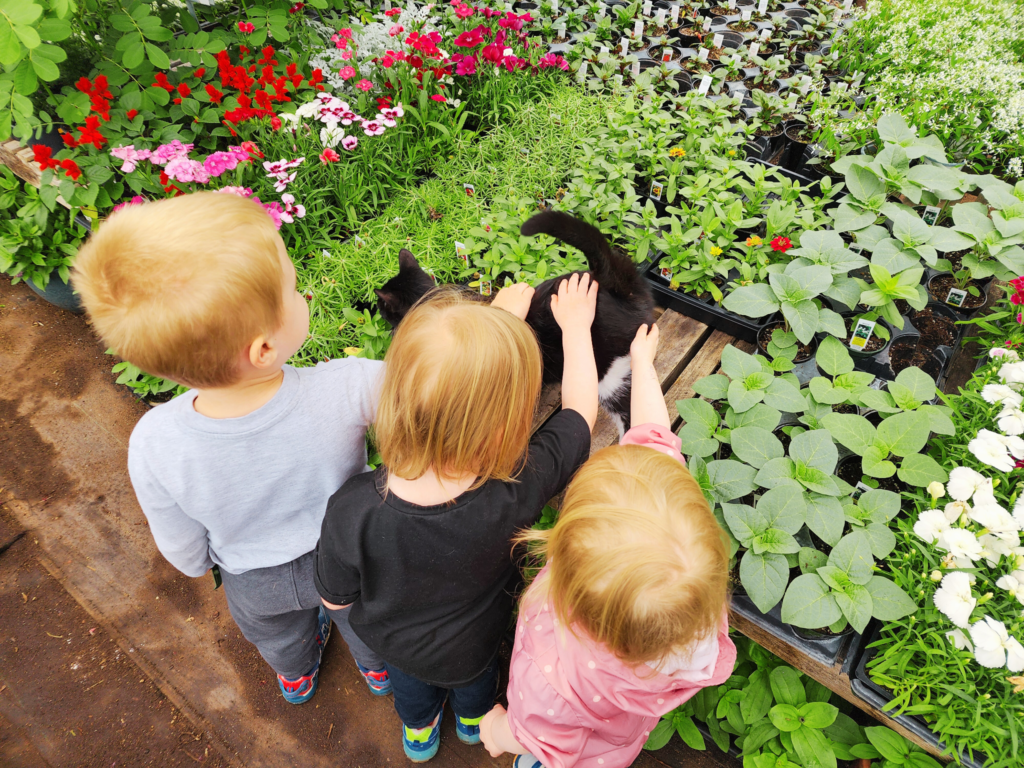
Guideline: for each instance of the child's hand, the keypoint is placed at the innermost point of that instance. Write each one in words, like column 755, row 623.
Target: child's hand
column 575, row 303
column 644, row 347
column 487, row 731
column 515, row 299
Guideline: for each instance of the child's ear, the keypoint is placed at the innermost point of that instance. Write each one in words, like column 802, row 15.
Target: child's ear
column 406, row 260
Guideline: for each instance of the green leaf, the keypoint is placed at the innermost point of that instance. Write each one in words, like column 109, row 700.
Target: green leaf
column 695, row 441
column 889, row 744
column 758, row 380
column 774, row 540
column 757, row 697
column 764, row 577
column 157, row 57
column 809, row 603
column 881, row 505
column 714, row 387
column 813, row 748
column 920, row 469
column 854, row 432
column 784, row 508
column 25, row 81
column 134, row 56
column 920, row 384
column 755, row 301
column 938, row 421
column 855, row 603
column 730, row 479
column 785, row 717
column 817, row 715
column 787, row 686
column 742, row 399
column 776, row 473
column 737, row 364
column 761, row 415
column 661, row 735
column 689, row 734
column 744, row 522
column 882, row 540
column 783, row 396
column 904, row 433
column 755, row 446
column 889, row 602
column 852, row 555
column 815, row 449
column 824, row 392
column 825, row 517
column 810, row 560
column 863, row 184
column 874, row 463
column 759, row 734
column 802, row 317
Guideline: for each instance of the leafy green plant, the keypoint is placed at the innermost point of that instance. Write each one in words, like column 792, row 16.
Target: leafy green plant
column 747, row 380
column 887, row 289
column 992, row 252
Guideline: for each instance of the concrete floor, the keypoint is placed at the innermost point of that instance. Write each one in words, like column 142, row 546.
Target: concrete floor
column 108, row 655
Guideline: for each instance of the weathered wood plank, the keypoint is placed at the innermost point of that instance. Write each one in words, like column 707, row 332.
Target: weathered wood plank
column 19, row 160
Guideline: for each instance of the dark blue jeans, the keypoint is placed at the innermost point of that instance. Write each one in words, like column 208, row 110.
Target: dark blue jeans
column 418, row 703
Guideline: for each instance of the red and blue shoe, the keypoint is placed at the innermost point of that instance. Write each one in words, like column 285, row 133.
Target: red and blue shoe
column 377, row 680
column 468, row 729
column 301, row 689
column 421, row 744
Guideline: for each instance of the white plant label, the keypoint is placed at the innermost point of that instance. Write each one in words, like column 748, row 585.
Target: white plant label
column 702, row 55
column 462, row 252
column 931, row 215
column 657, row 188
column 358, row 241
column 705, row 84
column 717, row 40
column 638, row 28
column 956, row 297
column 805, row 84
column 755, row 48
column 618, row 81
column 765, row 34
column 647, row 98
column 847, row 5
column 861, row 334
column 581, row 75
column 625, row 47
column 485, row 287
column 387, row 5
column 762, row 7
column 647, row 7
column 600, row 13
column 732, row 4
column 560, row 30
column 554, row 6
column 860, row 489
column 603, row 49
column 856, row 248
column 675, row 14
column 659, row 17
column 635, row 69
column 470, row 189
column 665, row 273
column 746, row 14
column 666, row 55
column 707, row 23
column 791, row 101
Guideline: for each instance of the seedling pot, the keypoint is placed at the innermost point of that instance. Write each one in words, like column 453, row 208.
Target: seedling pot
column 58, row 293
column 938, row 292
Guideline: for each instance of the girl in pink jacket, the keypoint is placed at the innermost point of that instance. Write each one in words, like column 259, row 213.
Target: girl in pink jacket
column 628, row 619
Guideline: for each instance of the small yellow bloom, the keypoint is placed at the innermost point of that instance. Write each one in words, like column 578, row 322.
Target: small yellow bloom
column 753, row 240
column 715, row 250
column 677, row 152
column 732, row 153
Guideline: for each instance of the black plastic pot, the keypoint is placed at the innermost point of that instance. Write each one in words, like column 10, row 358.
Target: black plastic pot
column 58, row 293
column 963, row 314
column 798, row 152
column 826, row 649
column 878, row 697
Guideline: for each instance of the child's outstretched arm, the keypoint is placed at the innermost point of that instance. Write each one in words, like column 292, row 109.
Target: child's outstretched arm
column 573, row 308
column 647, row 403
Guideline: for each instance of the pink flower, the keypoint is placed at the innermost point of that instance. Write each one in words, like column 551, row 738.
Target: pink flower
column 167, row 152
column 240, row 191
column 131, row 156
column 220, row 163
column 283, row 180
column 185, row 170
column 389, row 115
column 551, row 60
column 373, row 127
column 396, row 29
column 470, row 39
column 465, row 65
column 328, row 156
column 341, row 37
column 137, row 200
column 246, row 28
column 292, row 210
column 273, row 210
column 349, row 143
column 364, row 85
column 463, row 11
column 346, row 55
column 347, row 73
column 438, row 97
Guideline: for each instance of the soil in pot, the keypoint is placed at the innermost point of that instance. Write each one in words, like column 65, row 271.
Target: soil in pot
column 940, row 285
column 653, row 30
column 804, row 351
column 696, row 65
column 936, row 330
column 776, row 131
column 741, row 26
column 714, row 54
column 875, row 343
column 719, row 10
column 657, row 53
column 766, row 87
column 908, row 353
column 706, row 295
column 845, row 408
column 735, row 585
column 559, row 40
column 956, row 259
column 850, row 470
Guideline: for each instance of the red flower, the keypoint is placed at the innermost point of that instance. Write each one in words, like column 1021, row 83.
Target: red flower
column 1017, row 298
column 316, row 78
column 438, row 97
column 200, row 72
column 69, row 140
column 161, row 82
column 383, row 102
column 275, row 123
column 263, row 99
column 1018, row 284
column 268, row 56
column 393, row 12
column 470, row 39
column 214, row 94
column 781, row 244
column 296, row 8
column 132, row 113
column 71, row 169
column 252, row 149
column 463, row 11
column 329, row 156
column 42, row 155
column 91, row 133
column 184, row 90
column 246, row 28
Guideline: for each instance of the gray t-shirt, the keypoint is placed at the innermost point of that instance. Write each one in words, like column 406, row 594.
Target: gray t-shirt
column 251, row 492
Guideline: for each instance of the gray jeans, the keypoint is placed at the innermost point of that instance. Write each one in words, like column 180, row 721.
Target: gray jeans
column 276, row 609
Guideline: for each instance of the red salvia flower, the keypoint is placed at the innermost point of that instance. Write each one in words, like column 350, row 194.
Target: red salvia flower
column 184, row 90
column 69, row 140
column 161, row 82
column 91, row 133
column 200, row 72
column 214, row 94
column 42, row 154
column 132, row 113
column 71, row 169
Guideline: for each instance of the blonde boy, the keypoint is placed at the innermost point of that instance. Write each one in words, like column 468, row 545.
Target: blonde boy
column 237, row 471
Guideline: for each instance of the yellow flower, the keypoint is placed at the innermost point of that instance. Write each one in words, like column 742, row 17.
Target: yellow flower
column 677, row 152
column 732, row 152
column 753, row 240
column 715, row 250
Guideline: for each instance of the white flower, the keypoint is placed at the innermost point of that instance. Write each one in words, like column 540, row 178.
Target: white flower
column 961, row 544
column 331, row 135
column 993, row 646
column 931, row 526
column 936, row 490
column 959, row 640
column 1000, row 393
column 290, row 118
column 1018, row 510
column 1012, row 373
column 1012, row 443
column 995, row 518
column 956, row 510
column 991, row 452
column 1011, row 421
column 1005, row 354
column 308, row 109
column 1014, row 584
column 963, row 482
column 994, row 547
column 954, row 598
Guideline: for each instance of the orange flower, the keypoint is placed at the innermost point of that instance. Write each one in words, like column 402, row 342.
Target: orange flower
column 753, row 240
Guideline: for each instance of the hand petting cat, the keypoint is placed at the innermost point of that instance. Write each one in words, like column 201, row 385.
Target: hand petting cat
column 573, row 308
column 646, row 401
column 515, row 299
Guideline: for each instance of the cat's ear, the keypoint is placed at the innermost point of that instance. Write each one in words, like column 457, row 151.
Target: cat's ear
column 406, row 260
column 387, row 298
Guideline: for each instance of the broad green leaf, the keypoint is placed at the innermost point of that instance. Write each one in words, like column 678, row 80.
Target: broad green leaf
column 759, row 734
column 774, row 540
column 755, row 301
column 814, row 479
column 904, row 433
column 880, row 505
column 813, row 748
column 755, row 446
column 889, row 744
column 695, row 441
column 817, row 715
column 699, row 470
column 852, row 555
column 785, row 717
column 863, row 184
column 875, row 463
column 714, row 387
column 744, row 522
column 811, row 560
column 689, row 734
column 757, row 698
column 764, row 577
column 737, row 364
column 920, row 469
column 825, row 517
column 833, row 357
column 882, row 540
column 783, row 396
column 889, row 602
column 893, row 129
column 802, row 317
column 809, row 603
column 920, row 384
column 761, row 415
column 759, row 380
column 938, row 421
column 831, row 322
column 660, row 735
column 776, row 473
column 742, row 399
column 700, row 413
column 784, row 508
column 730, row 479
column 816, row 692
column 845, row 731
column 855, row 603
column 787, row 686
column 854, row 432
column 815, row 449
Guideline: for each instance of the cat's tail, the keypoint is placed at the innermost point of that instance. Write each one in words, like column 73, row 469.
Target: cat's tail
column 612, row 269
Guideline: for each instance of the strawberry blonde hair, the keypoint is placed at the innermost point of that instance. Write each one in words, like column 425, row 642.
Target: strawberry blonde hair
column 459, row 390
column 636, row 560
column 180, row 287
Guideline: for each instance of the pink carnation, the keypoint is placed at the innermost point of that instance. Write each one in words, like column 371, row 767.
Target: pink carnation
column 373, row 127
column 185, row 170
column 137, row 200
column 220, row 163
column 347, row 73
column 240, row 191
column 364, row 85
column 349, row 143
column 130, row 155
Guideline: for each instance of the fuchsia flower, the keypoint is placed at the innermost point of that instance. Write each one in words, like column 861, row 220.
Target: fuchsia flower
column 373, row 127
column 347, row 73
column 131, row 156
column 364, row 85
column 513, row 22
column 552, row 60
column 273, row 210
column 463, row 11
column 438, row 97
column 183, row 169
column 341, row 37
column 167, row 152
column 464, row 65
column 470, row 38
column 246, row 27
column 396, row 29
column 220, row 163
column 346, row 55
column 292, row 210
column 349, row 143
column 393, row 12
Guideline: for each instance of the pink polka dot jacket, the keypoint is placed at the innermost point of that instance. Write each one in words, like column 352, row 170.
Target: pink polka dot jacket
column 575, row 705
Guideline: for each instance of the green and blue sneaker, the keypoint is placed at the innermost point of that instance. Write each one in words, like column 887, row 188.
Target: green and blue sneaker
column 468, row 729
column 421, row 744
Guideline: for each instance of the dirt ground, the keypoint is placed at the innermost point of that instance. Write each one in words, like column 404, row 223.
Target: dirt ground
column 108, row 656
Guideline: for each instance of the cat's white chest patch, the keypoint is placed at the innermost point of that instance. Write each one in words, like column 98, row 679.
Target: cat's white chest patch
column 615, row 380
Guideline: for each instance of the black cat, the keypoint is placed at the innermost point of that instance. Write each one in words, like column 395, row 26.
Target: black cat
column 624, row 303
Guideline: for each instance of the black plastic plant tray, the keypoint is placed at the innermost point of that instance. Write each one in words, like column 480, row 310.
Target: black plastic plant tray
column 878, row 696
column 712, row 316
column 826, row 650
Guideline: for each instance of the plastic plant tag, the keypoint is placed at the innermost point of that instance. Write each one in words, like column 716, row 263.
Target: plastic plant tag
column 675, row 14
column 732, row 4
column 931, row 215
column 956, row 297
column 659, row 17
column 648, row 4
column 746, row 13
column 755, row 48
column 805, row 83
column 581, row 74
column 618, row 81
column 707, row 23
column 666, row 55
column 860, row 489
column 554, row 6
column 387, row 5
column 638, row 28
column 702, row 54
column 470, row 189
column 560, row 30
column 600, row 13
column 762, row 7
column 765, row 34
column 358, row 242
column 657, row 188
column 847, row 5
column 603, row 49
column 861, row 334
column 665, row 273
column 635, row 69
column 705, row 84
column 877, row 383
column 462, row 252
column 485, row 287
column 717, row 40
column 856, row 248
column 625, row 46
column 647, row 98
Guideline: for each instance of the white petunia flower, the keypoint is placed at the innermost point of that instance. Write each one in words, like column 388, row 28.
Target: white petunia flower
column 994, row 547
column 995, row 518
column 954, row 599
column 1011, row 421
column 1001, row 393
column 1012, row 443
column 964, row 481
column 959, row 640
column 1004, row 354
column 931, row 525
column 1012, row 373
column 991, row 642
column 961, row 544
column 991, row 452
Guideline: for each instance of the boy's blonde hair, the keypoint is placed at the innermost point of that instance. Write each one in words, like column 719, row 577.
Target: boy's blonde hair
column 459, row 391
column 636, row 560
column 180, row 287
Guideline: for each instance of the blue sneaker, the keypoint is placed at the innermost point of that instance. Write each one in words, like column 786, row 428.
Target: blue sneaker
column 467, row 729
column 421, row 744
column 377, row 680
column 527, row 761
column 301, row 689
